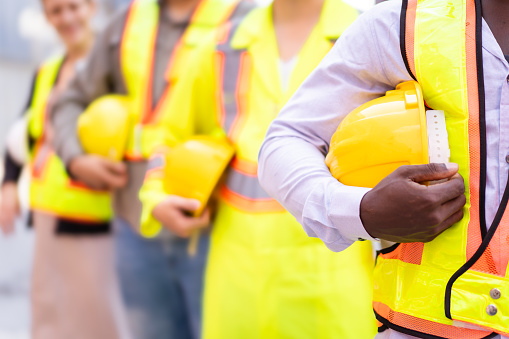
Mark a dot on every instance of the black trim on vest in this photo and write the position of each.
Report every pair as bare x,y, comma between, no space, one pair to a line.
382,328
388,324
484,245
388,249
402,37
71,227
482,117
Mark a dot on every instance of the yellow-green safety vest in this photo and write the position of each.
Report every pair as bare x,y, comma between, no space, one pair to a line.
137,61
51,189
265,277
455,286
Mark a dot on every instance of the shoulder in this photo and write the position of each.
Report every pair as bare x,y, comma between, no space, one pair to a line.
377,29
385,15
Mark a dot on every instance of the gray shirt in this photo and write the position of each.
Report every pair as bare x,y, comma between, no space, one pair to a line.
364,64
100,75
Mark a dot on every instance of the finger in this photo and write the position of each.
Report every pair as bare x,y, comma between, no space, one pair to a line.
202,221
185,204
452,206
448,190
116,167
429,172
113,180
447,223
97,184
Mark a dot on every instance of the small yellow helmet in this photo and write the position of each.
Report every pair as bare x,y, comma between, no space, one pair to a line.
103,128
386,133
194,168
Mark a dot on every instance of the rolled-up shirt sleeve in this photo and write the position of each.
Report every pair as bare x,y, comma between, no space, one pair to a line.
292,158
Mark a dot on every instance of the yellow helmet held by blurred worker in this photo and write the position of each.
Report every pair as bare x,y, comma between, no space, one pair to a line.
386,133
194,168
103,128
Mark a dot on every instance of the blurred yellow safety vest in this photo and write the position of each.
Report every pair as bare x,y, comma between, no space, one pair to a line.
137,62
51,190
456,286
265,277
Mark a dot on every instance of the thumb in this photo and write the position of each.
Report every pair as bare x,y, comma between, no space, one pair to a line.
430,172
115,167
185,204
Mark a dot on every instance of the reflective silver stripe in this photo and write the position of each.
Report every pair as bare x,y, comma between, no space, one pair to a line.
231,72
156,162
245,185
237,182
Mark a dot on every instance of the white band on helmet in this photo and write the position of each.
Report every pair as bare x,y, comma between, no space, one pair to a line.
438,142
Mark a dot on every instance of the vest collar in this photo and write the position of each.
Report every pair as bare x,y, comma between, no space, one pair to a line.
334,20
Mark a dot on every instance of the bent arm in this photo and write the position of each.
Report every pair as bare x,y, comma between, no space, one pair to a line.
292,159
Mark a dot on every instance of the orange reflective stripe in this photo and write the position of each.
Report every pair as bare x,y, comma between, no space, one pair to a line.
486,262
219,59
408,252
396,320
249,205
474,231
410,34
240,95
223,33
42,154
245,166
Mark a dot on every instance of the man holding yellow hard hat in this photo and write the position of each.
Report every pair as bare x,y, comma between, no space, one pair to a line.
432,182
264,278
142,54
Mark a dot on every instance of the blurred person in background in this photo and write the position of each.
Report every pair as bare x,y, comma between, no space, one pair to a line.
75,292
142,53
265,278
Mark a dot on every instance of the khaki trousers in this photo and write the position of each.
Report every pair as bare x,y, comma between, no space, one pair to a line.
75,291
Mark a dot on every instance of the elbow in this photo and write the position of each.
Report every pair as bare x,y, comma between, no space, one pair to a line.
265,178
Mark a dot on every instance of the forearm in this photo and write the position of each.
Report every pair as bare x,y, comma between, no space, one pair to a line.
292,159
293,171
64,121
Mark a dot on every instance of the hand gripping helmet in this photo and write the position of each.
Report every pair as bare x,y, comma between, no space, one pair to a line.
194,168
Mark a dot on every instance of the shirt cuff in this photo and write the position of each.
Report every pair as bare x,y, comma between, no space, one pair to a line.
344,211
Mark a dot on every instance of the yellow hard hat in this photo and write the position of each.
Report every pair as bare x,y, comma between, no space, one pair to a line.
103,128
386,133
194,168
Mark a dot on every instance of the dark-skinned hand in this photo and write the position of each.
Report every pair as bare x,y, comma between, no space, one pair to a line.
402,208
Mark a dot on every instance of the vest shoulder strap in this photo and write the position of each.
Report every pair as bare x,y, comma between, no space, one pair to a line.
44,82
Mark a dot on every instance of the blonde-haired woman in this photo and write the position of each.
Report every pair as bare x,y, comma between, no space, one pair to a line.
74,287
